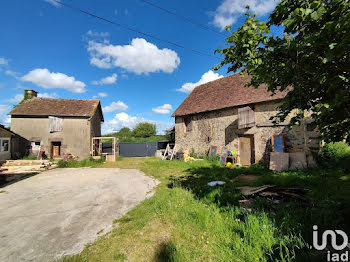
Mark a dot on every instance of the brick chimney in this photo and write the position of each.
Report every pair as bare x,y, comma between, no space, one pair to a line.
29,94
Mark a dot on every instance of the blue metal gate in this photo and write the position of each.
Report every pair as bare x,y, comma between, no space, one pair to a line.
138,149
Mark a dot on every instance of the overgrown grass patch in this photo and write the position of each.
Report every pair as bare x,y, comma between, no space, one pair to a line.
84,163
186,220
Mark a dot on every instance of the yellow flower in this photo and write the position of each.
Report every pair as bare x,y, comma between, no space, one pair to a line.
202,237
257,259
207,242
209,250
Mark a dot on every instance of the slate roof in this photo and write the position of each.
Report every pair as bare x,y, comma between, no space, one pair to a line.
57,107
3,128
225,92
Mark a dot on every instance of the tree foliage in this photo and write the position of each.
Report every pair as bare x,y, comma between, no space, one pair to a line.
311,58
144,130
125,132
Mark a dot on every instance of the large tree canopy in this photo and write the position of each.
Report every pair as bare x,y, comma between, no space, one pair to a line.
311,58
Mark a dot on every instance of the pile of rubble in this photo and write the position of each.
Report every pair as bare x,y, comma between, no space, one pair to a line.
274,194
15,169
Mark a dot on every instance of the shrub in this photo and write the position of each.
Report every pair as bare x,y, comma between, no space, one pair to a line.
144,130
335,155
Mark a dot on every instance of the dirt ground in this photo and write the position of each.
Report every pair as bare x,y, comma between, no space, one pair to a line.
58,212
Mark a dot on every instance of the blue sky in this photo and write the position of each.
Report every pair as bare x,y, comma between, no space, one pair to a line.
62,53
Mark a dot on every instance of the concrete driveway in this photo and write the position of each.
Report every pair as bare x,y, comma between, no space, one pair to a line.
58,212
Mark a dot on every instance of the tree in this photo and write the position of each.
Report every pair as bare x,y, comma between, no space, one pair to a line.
144,130
311,58
124,132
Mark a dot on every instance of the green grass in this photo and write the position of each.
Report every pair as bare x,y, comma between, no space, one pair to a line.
186,220
30,157
84,163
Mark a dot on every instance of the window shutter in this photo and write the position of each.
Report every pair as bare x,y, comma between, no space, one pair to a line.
246,117
55,124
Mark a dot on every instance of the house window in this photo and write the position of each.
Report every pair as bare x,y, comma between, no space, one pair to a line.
55,124
188,124
246,117
35,147
4,145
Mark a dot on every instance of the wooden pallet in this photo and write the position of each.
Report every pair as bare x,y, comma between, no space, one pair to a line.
170,152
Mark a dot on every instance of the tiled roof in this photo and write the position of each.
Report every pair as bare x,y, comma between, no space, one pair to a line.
57,107
225,92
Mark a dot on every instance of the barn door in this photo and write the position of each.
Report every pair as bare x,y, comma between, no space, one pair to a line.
56,149
245,150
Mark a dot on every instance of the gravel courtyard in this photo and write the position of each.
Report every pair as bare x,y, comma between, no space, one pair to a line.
58,212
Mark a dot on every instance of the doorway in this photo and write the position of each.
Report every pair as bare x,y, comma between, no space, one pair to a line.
56,149
246,150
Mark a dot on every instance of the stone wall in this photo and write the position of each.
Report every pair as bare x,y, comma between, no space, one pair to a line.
220,128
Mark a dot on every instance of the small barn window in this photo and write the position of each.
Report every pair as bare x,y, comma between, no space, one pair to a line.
55,124
4,145
188,124
246,117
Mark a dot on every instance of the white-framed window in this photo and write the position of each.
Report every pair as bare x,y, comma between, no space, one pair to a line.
4,145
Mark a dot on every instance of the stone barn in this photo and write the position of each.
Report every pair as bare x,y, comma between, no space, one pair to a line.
12,146
58,126
228,114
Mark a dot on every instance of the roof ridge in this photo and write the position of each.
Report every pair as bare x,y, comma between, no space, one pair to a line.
225,92
42,106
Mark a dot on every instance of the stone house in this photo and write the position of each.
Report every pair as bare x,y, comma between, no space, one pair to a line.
228,114
5,143
12,146
58,126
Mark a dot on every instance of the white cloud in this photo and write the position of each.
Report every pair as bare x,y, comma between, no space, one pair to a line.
45,79
3,61
106,80
16,99
114,106
93,33
230,10
11,73
4,108
124,120
205,78
48,95
164,109
100,95
4,118
54,3
138,57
